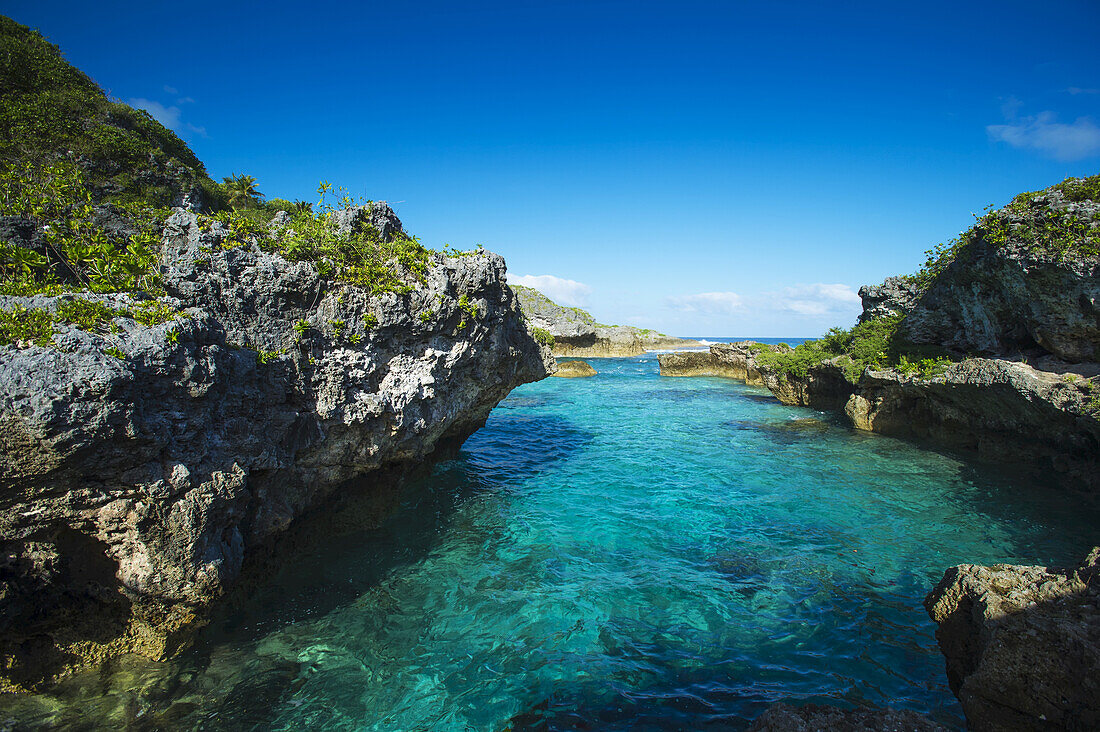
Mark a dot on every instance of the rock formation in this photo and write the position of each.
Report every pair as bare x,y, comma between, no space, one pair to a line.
141,467
1022,644
576,333
574,368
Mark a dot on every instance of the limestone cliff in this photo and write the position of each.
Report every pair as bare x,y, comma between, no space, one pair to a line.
142,465
576,333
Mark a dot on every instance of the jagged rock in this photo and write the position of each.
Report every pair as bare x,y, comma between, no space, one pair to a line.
821,718
574,368
576,332
377,216
1022,644
139,485
895,296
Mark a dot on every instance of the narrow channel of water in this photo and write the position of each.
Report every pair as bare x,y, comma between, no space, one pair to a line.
620,552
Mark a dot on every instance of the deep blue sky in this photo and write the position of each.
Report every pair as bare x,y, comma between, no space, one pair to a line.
714,168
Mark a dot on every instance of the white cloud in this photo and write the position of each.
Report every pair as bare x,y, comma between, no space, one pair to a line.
167,116
710,303
1045,134
561,291
817,299
1075,90
171,90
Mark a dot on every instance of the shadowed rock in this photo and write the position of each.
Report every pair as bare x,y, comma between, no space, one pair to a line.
1022,644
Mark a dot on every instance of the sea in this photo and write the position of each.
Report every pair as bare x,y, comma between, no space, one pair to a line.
621,552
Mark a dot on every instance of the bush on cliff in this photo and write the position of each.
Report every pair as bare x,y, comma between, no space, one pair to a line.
1028,220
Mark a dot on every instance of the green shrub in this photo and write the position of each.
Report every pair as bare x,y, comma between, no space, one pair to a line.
25,325
543,336
80,254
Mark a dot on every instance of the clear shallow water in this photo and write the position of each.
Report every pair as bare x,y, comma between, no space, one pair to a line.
620,552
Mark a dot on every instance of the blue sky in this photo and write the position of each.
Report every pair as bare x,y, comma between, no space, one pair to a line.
705,168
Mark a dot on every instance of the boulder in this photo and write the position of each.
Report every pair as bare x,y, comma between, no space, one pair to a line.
1022,644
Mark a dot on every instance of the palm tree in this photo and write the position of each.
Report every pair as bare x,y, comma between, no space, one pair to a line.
242,190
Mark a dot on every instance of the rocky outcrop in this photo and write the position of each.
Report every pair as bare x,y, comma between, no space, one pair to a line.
895,296
574,369
1027,280
817,717
1022,644
142,467
576,332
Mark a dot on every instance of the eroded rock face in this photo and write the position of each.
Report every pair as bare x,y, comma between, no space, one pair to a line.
1022,644
576,332
172,463
895,296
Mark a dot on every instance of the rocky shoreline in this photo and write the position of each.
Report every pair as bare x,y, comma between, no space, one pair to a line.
574,333
143,467
1001,410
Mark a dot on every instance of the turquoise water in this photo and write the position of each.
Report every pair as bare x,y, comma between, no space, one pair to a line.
620,552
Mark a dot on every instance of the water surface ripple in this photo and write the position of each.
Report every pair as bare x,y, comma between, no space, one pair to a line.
620,552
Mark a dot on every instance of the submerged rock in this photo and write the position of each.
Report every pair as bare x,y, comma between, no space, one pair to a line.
1022,644
574,368
818,717
140,468
576,333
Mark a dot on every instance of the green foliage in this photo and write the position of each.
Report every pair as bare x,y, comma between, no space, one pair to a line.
116,352
875,344
469,310
87,314
543,336
301,328
242,191
50,110
79,253
362,259
153,312
266,357
23,325
1028,220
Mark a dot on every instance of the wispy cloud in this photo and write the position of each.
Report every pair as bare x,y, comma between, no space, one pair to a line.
817,299
561,291
169,116
709,303
1045,133
1075,90
814,300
